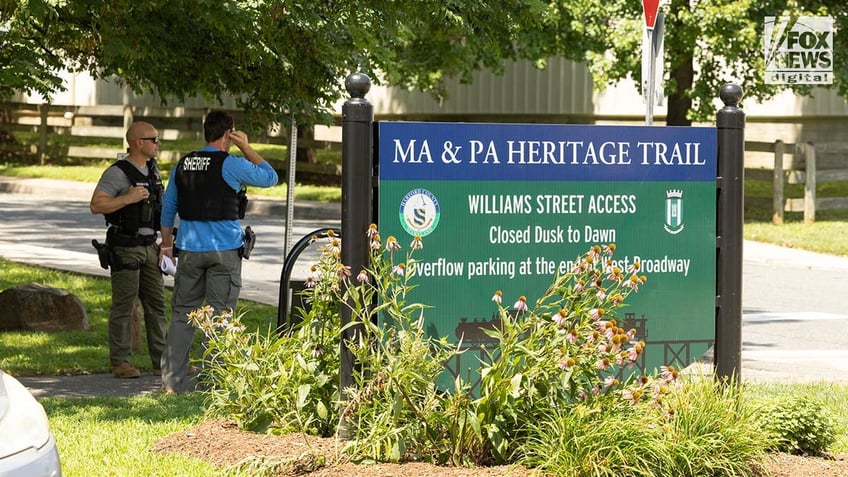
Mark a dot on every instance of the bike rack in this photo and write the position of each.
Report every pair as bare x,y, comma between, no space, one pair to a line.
284,322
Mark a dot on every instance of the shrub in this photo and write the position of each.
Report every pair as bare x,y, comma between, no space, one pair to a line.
551,393
799,425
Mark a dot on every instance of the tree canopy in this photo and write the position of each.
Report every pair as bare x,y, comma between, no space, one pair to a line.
289,57
709,43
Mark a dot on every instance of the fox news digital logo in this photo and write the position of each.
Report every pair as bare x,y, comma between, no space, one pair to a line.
798,50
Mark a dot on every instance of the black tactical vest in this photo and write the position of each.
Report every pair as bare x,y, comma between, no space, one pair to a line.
202,192
145,213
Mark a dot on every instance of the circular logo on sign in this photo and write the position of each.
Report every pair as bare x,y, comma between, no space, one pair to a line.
419,212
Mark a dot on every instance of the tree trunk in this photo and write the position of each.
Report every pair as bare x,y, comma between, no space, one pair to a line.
6,136
680,53
306,145
678,102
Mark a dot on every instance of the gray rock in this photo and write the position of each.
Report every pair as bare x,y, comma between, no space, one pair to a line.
35,307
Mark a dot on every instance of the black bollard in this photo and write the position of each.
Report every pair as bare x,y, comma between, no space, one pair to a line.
730,122
357,166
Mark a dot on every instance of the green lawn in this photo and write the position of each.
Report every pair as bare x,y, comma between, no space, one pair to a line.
75,352
113,436
829,234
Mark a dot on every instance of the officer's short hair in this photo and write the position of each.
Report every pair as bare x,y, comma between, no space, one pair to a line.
217,123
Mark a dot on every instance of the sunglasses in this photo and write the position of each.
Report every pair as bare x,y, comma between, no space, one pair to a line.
154,140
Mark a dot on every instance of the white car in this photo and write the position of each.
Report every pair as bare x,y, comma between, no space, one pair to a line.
27,447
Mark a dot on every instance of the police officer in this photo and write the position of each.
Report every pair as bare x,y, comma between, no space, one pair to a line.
129,195
207,190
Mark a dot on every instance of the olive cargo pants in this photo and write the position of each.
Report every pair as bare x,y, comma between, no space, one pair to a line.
147,283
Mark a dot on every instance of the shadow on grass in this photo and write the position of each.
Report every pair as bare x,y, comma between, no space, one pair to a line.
158,407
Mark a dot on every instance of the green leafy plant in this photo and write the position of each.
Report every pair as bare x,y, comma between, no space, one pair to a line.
602,437
567,348
553,392
710,427
287,383
701,426
564,350
388,414
800,425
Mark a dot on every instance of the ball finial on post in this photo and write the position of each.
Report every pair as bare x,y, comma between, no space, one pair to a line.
357,85
730,94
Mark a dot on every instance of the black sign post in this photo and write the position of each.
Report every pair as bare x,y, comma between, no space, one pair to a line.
730,122
357,165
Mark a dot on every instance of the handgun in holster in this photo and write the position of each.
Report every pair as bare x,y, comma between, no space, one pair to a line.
103,253
109,259
249,243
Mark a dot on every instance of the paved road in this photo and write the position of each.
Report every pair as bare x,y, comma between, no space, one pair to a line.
49,222
795,315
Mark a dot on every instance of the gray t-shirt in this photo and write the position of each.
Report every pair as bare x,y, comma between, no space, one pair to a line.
114,182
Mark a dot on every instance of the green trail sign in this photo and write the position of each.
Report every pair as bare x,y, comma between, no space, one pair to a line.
509,206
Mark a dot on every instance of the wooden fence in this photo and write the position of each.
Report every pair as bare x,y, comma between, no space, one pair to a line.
111,121
802,163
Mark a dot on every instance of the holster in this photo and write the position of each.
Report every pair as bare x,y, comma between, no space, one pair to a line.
109,259
249,243
103,253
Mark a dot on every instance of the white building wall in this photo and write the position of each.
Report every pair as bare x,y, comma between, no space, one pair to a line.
561,93
83,90
563,88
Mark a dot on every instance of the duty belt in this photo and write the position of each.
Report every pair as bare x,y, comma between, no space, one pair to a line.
117,238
